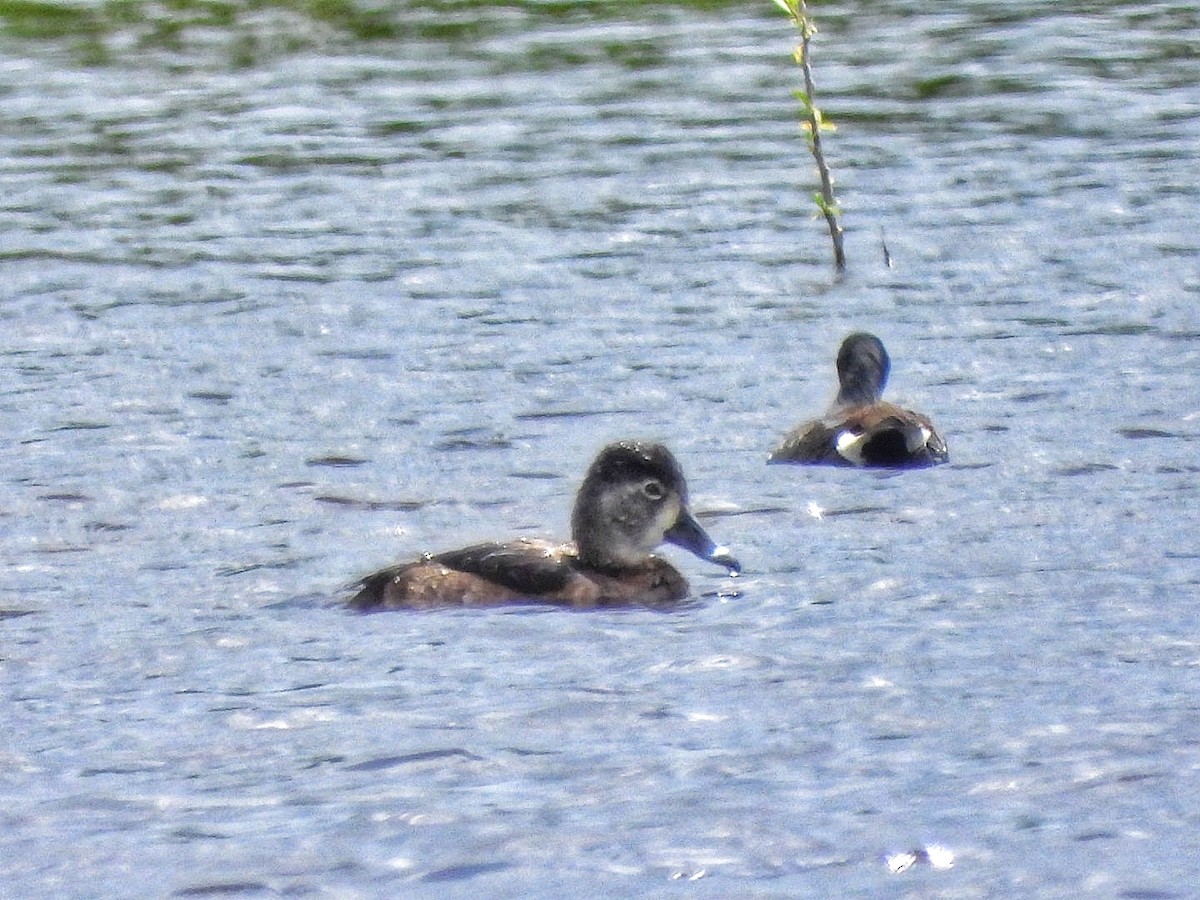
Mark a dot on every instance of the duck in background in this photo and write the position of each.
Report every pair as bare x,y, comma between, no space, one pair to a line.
861,428
633,498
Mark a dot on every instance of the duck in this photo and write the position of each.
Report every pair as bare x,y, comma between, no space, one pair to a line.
633,498
861,428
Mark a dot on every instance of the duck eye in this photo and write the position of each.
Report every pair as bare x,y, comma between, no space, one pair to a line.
654,489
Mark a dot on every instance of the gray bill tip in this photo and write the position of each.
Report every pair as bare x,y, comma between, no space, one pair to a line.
688,534
723,557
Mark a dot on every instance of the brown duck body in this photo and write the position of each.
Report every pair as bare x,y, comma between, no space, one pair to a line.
861,428
632,499
521,571
880,434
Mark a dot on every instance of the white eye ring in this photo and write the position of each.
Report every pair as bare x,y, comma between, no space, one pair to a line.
654,489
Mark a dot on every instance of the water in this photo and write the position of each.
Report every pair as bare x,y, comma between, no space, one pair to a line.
282,305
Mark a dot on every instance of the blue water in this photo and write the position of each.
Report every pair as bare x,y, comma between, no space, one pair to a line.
266,329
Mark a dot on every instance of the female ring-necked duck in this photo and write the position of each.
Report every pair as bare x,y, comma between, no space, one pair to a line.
861,428
632,499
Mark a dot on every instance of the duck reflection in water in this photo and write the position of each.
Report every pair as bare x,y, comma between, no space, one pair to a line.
861,428
633,498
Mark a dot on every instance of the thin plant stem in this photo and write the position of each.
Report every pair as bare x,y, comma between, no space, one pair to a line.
814,124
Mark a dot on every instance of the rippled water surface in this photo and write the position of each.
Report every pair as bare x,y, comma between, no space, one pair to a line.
284,300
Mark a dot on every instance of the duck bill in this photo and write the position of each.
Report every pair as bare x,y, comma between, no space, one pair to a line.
687,533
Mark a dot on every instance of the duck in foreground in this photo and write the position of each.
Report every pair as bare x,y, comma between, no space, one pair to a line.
632,499
861,428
